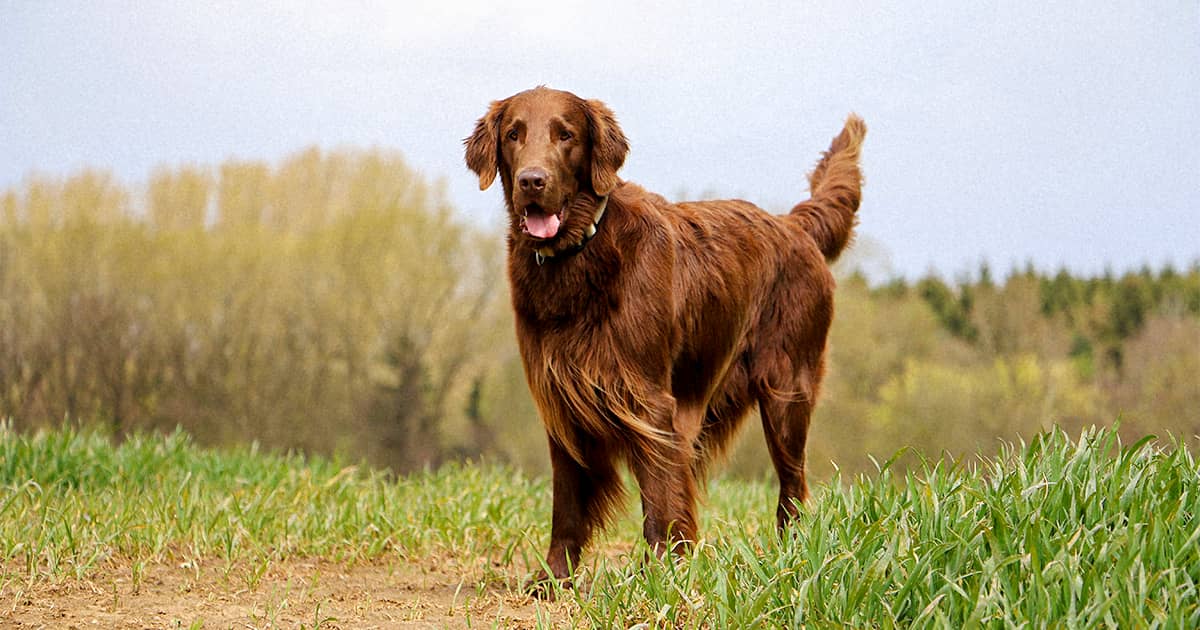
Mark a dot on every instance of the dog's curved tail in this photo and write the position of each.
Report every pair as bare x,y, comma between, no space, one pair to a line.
836,187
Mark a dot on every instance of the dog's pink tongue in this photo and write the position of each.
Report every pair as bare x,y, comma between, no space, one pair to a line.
542,225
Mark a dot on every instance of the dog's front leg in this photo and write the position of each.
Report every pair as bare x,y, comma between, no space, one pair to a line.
583,499
668,480
664,474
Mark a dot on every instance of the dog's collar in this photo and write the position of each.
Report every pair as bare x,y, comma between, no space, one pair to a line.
542,253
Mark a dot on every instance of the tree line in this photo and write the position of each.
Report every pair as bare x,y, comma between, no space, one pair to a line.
335,303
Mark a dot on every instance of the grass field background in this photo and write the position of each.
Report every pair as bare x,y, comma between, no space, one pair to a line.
1082,532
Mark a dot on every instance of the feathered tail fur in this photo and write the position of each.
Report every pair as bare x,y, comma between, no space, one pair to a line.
836,187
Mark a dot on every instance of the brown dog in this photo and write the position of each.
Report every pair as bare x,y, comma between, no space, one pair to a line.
649,328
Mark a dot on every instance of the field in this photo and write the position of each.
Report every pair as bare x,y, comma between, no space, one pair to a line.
158,532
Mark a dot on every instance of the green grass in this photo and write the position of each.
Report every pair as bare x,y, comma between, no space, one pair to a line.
70,499
1078,534
1062,532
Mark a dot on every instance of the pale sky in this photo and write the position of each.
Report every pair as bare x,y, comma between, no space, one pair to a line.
1061,133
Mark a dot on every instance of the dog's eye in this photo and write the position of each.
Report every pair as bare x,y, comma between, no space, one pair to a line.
512,135
565,136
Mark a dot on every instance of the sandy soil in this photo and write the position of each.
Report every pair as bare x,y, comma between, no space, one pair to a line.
290,594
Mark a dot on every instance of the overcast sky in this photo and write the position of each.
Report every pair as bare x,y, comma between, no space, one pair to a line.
1064,133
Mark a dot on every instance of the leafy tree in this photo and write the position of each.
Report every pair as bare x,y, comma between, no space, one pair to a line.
335,302
952,310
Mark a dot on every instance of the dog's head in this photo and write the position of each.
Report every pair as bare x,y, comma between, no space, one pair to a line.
548,146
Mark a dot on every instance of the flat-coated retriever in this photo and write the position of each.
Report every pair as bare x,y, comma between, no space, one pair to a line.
649,328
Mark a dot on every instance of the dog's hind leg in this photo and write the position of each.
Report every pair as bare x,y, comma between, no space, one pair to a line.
785,423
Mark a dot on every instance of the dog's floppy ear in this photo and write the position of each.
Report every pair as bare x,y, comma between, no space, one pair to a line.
481,146
609,147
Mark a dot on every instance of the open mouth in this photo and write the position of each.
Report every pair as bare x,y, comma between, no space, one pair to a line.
539,223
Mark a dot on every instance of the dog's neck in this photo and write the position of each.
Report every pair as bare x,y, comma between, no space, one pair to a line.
541,254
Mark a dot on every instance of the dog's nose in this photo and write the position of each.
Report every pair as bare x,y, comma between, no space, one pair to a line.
532,180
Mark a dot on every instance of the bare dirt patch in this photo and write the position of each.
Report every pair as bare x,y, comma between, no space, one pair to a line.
288,593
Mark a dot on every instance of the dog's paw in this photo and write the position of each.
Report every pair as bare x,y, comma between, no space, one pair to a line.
545,586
